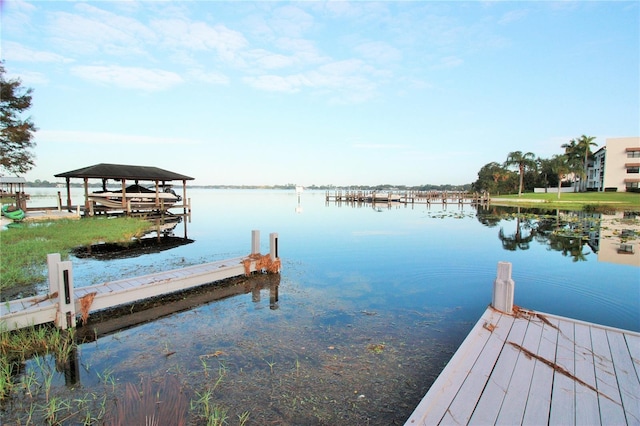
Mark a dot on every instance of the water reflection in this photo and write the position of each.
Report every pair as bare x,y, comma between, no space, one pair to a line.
574,234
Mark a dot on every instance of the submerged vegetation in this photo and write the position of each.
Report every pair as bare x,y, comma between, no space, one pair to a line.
25,247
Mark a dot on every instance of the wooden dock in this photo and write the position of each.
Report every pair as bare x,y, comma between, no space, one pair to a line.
64,302
407,197
525,367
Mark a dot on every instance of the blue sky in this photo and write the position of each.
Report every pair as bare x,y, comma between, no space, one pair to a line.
342,93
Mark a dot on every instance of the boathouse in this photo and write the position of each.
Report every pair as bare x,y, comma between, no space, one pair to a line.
130,196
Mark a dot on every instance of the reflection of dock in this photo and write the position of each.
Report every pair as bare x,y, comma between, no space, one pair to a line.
110,321
63,301
407,197
524,367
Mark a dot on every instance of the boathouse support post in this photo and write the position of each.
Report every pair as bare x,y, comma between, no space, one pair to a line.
66,314
52,268
503,288
255,241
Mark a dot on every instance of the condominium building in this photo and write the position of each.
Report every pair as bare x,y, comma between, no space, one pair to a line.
615,166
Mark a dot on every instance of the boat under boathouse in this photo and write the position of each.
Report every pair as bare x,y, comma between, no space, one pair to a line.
137,189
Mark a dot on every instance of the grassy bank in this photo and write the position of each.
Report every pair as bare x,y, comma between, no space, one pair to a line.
24,249
594,201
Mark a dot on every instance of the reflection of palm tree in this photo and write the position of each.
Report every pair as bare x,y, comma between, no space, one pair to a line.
517,240
568,246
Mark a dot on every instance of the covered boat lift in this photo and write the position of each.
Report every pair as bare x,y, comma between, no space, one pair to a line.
124,173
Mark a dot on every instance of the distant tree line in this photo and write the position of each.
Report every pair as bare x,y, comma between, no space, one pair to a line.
290,186
523,171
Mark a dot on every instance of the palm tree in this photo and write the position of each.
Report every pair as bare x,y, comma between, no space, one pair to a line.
578,151
523,161
584,144
561,166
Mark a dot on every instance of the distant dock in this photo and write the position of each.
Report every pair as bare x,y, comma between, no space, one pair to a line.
407,197
523,367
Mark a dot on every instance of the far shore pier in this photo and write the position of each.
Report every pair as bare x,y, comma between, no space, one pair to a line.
408,197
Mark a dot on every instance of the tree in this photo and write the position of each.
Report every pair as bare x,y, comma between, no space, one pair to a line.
522,161
578,152
584,144
561,166
16,134
494,178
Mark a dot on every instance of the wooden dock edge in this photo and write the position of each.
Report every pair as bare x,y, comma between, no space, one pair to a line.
434,407
64,303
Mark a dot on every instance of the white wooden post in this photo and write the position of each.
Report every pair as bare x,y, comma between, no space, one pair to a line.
66,315
273,246
52,267
255,242
503,288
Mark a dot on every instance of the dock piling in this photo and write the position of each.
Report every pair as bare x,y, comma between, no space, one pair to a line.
66,313
273,246
52,267
255,241
503,288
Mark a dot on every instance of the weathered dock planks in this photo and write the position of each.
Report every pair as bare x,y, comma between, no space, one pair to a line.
64,302
526,367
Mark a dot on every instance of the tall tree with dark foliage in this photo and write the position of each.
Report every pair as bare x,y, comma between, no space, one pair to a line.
16,132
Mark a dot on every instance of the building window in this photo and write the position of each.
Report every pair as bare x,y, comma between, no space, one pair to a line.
633,154
633,169
632,185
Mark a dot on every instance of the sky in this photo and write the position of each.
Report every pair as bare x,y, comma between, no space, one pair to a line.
320,93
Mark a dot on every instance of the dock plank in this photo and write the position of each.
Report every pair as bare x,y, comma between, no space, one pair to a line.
434,405
608,393
466,399
563,391
587,407
516,395
491,400
539,398
627,379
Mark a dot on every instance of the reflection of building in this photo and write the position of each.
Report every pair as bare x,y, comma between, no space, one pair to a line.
617,239
615,166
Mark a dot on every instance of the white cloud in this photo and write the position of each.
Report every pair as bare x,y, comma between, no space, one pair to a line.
448,62
16,52
129,77
513,16
95,30
211,77
275,83
379,51
199,36
291,21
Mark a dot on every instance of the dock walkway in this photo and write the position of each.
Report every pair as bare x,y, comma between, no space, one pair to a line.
64,302
526,367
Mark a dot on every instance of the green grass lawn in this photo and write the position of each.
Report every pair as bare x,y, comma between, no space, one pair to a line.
574,200
25,248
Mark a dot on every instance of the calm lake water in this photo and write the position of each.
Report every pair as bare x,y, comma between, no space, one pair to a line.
369,307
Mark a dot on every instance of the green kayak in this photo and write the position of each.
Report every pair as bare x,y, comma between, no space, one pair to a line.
12,212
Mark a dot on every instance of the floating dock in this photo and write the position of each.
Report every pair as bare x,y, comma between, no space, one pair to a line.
64,302
524,367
